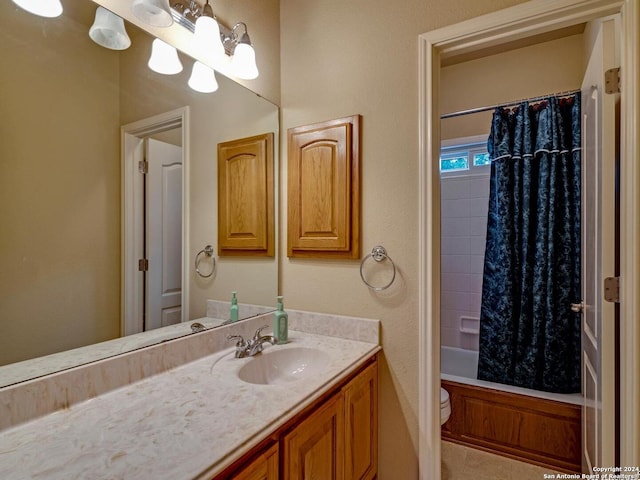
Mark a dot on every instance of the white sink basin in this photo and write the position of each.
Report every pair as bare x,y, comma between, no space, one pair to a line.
278,366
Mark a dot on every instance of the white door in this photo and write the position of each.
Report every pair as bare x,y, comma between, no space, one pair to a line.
598,252
163,290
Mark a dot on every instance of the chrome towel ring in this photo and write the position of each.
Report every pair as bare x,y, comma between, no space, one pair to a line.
208,251
379,253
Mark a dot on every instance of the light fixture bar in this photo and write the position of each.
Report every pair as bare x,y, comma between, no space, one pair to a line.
190,15
226,34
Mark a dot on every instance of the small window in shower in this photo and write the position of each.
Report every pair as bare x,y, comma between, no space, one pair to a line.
480,159
454,162
464,159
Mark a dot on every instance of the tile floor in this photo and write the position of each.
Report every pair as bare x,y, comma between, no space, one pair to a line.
464,463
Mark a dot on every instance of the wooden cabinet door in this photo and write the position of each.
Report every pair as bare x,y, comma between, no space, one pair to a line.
245,197
315,448
264,467
337,440
361,425
324,189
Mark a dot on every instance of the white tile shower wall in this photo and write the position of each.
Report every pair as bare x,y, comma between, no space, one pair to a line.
464,227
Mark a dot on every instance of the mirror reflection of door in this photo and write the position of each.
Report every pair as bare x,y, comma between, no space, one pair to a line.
163,234
154,192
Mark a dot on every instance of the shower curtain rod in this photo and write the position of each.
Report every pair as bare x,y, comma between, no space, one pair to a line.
508,104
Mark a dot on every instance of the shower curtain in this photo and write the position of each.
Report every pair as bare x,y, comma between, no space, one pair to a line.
529,336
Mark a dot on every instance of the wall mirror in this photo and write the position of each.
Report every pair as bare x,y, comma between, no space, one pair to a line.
65,100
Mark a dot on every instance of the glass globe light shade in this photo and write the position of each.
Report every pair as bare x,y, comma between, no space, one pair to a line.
42,8
203,78
207,33
156,13
108,30
243,62
164,58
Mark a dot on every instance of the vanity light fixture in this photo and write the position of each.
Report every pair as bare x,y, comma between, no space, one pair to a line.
203,78
164,58
207,30
156,13
243,62
203,23
42,8
108,30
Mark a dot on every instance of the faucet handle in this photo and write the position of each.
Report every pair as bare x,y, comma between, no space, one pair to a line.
240,342
259,331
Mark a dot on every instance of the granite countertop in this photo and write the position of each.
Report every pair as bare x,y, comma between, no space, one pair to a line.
187,423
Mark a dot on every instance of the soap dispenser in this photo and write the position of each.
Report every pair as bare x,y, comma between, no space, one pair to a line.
281,323
233,311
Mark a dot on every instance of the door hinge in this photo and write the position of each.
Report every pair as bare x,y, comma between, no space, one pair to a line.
612,80
612,289
143,167
143,265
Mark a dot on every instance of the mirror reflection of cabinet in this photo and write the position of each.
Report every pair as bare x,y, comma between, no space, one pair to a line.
245,196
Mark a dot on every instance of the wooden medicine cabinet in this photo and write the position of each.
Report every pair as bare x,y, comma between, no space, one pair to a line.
324,189
245,197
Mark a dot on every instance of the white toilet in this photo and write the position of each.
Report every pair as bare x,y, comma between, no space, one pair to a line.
445,406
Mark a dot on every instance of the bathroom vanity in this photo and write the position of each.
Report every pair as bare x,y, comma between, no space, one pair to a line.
335,437
217,416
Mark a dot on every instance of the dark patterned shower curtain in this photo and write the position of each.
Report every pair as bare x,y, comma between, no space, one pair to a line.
529,336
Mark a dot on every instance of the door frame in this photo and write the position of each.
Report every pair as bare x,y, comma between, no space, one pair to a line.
504,26
132,215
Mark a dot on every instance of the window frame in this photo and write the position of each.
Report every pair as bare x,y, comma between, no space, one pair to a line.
467,146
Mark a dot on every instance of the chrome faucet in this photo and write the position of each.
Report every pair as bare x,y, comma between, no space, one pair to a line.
252,346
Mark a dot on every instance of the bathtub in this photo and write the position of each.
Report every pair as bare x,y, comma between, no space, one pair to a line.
461,366
537,427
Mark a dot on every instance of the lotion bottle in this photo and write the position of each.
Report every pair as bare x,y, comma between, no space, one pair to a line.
233,311
280,323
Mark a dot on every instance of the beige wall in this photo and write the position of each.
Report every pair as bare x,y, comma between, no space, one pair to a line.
544,68
341,58
59,144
